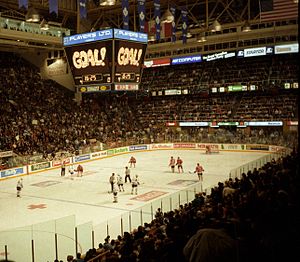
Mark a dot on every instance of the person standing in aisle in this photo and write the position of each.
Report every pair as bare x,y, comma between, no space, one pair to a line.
135,183
127,174
19,187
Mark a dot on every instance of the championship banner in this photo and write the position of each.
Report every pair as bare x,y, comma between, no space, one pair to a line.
142,15
157,18
82,9
125,11
184,24
173,11
53,6
23,3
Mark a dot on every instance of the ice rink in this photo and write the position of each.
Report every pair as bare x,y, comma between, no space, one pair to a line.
47,195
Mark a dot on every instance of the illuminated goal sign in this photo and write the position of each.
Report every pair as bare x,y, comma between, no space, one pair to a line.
106,57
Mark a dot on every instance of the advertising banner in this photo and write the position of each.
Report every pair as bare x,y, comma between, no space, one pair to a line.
6,154
40,166
88,37
193,123
186,60
130,35
258,51
216,56
267,123
257,147
12,172
99,154
212,146
161,146
82,158
232,147
286,49
185,145
56,163
141,147
119,150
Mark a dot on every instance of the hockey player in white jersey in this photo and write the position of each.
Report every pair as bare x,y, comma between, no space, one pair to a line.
120,183
135,182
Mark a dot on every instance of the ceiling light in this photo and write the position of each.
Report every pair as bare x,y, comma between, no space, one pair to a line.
201,39
104,25
216,26
189,35
167,17
246,27
107,2
32,15
151,38
44,25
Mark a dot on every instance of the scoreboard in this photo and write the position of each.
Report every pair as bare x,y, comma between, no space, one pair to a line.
106,57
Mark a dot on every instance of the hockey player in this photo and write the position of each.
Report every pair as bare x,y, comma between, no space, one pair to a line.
172,164
179,164
127,174
63,168
115,193
135,182
120,183
79,170
199,170
19,187
112,181
132,161
71,170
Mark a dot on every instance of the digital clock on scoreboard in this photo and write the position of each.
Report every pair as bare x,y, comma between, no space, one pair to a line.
92,79
127,77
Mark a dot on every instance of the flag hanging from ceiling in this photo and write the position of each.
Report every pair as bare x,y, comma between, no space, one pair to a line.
165,29
173,11
273,10
23,3
125,11
142,14
82,9
157,19
184,24
53,6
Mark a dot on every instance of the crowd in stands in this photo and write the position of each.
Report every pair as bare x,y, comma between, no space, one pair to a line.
256,213
40,117
252,218
264,72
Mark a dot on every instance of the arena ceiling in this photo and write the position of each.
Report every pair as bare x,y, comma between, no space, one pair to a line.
200,12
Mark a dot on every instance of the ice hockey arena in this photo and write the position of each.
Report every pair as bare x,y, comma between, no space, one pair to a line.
149,130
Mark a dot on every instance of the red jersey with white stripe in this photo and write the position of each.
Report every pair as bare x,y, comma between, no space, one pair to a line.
199,169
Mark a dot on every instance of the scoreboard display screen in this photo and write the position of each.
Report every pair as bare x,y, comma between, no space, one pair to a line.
129,60
91,63
106,57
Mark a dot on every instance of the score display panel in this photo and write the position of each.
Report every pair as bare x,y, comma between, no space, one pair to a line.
91,63
129,60
106,57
